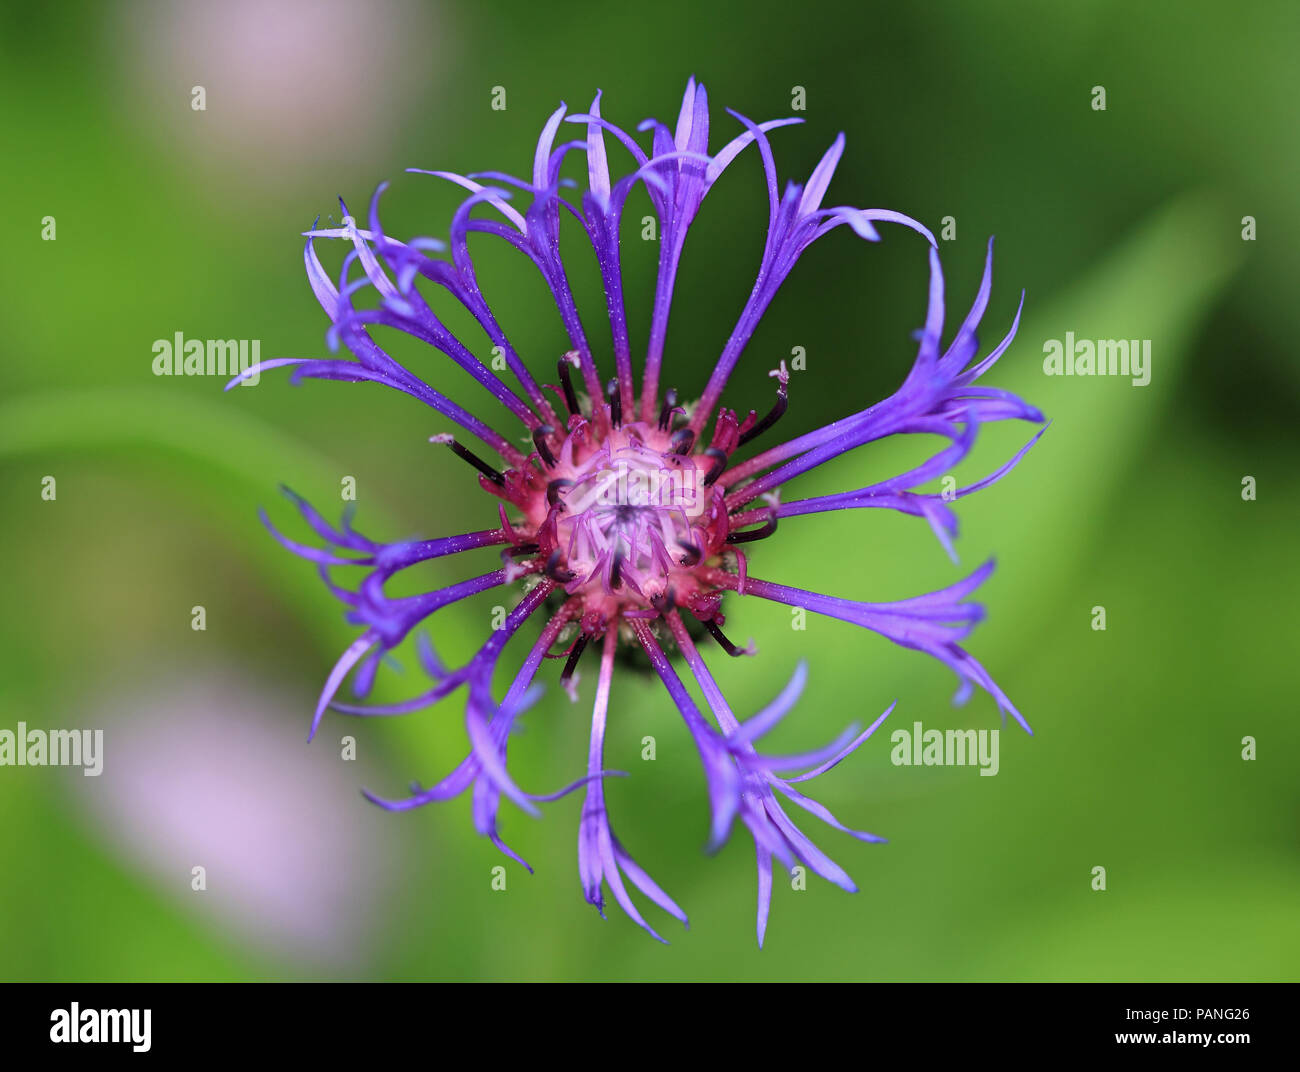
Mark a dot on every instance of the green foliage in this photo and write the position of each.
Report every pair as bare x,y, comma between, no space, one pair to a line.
1122,223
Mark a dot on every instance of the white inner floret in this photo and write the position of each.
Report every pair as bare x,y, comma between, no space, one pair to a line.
628,514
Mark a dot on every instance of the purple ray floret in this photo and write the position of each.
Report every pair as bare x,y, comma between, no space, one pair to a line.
629,521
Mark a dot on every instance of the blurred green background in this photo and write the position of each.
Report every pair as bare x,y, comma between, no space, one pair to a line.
1123,223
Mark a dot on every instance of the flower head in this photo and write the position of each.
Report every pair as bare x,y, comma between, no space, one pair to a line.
625,517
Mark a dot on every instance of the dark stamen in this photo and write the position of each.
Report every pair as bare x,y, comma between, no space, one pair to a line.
721,638
665,601
553,570
566,382
692,555
524,549
769,527
615,403
773,415
719,464
553,490
572,664
682,441
616,570
473,459
666,410
539,441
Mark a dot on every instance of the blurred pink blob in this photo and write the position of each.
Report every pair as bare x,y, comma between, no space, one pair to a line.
287,84
209,772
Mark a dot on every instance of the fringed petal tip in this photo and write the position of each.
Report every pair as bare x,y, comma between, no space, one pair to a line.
508,851
350,657
253,373
863,219
391,805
